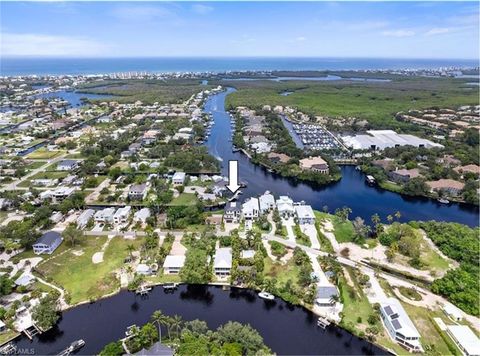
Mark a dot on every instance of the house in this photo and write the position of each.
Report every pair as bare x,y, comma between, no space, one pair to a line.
222,261
278,157
247,254
138,191
305,214
250,209
465,339
84,218
178,178
315,164
285,206
386,164
5,203
56,217
143,269
452,312
403,175
61,193
449,186
399,326
157,349
448,161
471,168
141,216
104,216
67,165
24,280
266,202
326,295
232,212
121,215
2,326
173,264
47,243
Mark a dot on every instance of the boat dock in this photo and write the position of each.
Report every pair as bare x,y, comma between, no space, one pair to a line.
143,290
323,322
8,349
170,286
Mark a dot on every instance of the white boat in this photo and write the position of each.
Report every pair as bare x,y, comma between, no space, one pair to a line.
266,295
444,201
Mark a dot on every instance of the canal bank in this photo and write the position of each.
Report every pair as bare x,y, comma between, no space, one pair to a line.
351,190
286,329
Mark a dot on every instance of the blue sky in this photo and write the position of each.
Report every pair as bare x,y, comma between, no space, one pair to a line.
194,29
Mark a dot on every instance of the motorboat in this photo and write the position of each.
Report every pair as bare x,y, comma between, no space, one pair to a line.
443,201
266,295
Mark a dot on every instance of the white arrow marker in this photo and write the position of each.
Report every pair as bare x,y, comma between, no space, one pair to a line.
233,176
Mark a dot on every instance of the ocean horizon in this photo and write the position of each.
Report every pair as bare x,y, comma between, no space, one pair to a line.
20,66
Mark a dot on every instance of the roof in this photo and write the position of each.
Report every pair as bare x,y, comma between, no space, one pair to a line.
179,176
24,280
143,268
223,258
304,212
411,173
326,292
49,238
445,184
466,338
232,206
248,254
266,201
312,162
67,162
174,261
138,188
156,349
399,318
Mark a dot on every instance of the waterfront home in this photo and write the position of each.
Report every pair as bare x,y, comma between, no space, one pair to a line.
178,178
278,157
67,165
326,295
315,164
386,164
448,186
232,212
47,243
285,206
84,218
173,264
266,202
250,209
471,168
61,193
207,197
222,261
399,326
121,215
261,147
404,175
143,269
465,339
305,214
104,216
138,191
156,349
448,161
141,216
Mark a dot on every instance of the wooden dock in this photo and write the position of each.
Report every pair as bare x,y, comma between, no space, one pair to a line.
323,322
143,290
8,349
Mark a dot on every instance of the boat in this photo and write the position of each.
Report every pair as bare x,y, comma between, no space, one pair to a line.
443,201
370,179
170,286
358,168
266,295
74,346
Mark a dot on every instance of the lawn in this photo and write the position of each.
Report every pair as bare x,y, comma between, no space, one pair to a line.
184,199
281,272
7,335
82,279
300,237
42,153
343,230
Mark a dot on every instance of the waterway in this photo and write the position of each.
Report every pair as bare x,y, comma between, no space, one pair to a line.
73,97
285,328
351,190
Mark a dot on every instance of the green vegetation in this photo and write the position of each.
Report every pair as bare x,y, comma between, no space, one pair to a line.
184,199
343,228
460,243
410,293
46,314
42,153
278,250
300,237
7,335
196,269
79,276
376,102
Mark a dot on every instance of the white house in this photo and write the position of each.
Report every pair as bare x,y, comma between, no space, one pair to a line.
67,165
178,178
250,209
47,243
104,216
142,215
56,217
143,269
61,193
84,218
285,206
465,338
266,202
399,325
138,191
232,212
304,214
173,264
121,215
222,261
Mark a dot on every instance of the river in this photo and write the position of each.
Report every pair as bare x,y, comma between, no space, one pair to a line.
286,329
351,190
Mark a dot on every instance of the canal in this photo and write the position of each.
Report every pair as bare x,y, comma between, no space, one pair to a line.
351,190
286,329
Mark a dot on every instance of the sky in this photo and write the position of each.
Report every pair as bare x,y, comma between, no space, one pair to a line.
247,29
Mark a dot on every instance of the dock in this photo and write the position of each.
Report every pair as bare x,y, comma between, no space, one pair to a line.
143,290
8,349
323,322
170,286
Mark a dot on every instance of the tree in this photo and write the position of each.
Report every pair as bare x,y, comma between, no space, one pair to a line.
112,349
157,318
398,215
376,223
361,230
45,314
176,323
130,249
71,234
245,335
269,285
390,218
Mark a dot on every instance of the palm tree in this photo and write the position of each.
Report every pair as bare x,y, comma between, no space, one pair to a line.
157,318
376,222
390,218
177,322
249,236
130,249
398,215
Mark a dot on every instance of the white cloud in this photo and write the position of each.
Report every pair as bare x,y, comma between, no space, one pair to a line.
300,39
201,9
29,44
399,33
438,31
140,13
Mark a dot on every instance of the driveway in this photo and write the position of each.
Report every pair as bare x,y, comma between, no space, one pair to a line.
311,231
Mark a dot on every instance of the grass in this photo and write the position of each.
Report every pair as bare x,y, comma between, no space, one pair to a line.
410,293
281,272
343,230
42,153
325,244
82,279
160,278
300,237
376,102
184,199
393,187
7,335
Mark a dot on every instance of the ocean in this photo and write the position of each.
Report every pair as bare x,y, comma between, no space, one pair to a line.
13,66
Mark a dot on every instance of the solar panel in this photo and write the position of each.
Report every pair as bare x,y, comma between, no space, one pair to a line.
396,324
388,310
